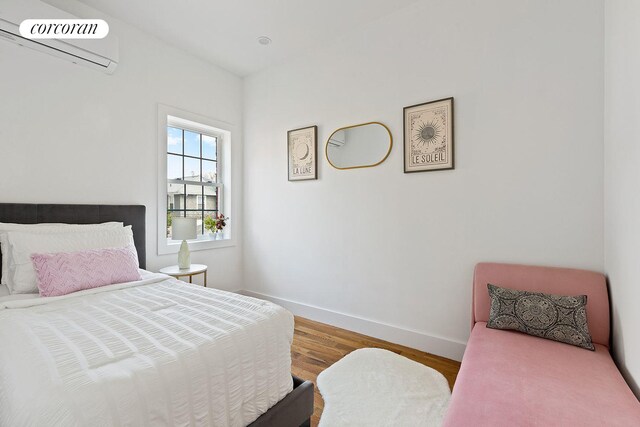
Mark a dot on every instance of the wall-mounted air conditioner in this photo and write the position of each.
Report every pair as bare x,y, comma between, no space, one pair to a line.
338,139
99,54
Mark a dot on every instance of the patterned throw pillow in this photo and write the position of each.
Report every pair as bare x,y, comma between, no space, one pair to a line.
555,317
65,272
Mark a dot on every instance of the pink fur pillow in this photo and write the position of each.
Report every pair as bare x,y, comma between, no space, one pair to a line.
66,272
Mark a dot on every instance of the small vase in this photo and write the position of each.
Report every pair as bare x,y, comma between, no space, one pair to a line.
215,235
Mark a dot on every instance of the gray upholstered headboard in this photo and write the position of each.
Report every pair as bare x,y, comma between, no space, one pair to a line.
28,213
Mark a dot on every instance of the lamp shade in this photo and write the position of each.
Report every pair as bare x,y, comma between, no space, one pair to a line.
183,228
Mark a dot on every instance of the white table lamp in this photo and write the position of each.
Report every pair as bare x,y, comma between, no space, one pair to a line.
184,229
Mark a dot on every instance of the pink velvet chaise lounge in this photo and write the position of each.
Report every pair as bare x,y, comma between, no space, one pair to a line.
513,379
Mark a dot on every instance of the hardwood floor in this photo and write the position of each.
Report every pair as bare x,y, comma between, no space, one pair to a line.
316,346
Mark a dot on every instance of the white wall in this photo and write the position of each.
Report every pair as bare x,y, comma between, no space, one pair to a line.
622,181
398,250
69,134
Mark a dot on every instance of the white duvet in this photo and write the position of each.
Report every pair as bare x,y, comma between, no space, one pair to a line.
154,352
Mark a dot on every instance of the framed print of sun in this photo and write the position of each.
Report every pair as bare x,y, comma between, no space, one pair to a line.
302,152
428,136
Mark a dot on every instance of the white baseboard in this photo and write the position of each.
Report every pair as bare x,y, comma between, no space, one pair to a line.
415,339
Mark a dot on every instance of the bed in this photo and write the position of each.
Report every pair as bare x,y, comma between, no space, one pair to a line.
155,351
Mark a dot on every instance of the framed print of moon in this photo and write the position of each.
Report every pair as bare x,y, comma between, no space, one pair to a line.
301,153
428,136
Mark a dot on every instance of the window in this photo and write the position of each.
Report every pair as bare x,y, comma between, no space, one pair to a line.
194,160
193,189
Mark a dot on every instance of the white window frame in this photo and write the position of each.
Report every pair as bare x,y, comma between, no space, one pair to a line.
171,116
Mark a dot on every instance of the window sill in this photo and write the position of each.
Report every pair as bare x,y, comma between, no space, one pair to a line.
173,246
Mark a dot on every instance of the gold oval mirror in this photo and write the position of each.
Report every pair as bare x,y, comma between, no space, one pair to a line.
359,146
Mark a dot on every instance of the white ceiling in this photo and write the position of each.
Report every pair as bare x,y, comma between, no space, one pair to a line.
225,32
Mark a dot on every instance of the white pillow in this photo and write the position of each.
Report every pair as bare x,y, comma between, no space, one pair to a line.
41,228
22,276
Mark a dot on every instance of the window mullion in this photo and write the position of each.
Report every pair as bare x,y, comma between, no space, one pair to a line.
204,184
184,186
201,189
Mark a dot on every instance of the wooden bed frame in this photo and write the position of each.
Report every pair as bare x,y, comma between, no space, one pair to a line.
294,410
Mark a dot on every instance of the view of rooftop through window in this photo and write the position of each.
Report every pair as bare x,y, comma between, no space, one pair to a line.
193,189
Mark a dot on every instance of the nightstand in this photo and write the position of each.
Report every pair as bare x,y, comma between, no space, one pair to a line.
195,269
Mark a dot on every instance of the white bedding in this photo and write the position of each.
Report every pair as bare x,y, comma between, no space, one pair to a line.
154,352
